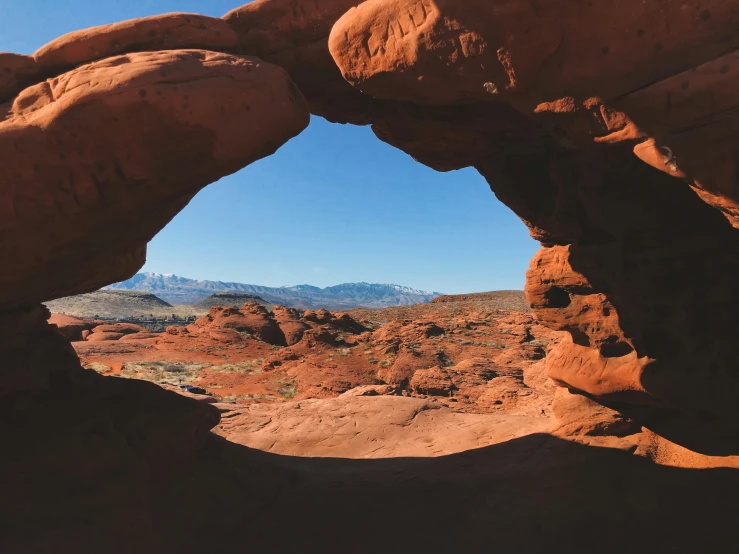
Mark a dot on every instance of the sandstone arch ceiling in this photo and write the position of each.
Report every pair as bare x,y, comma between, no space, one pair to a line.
608,128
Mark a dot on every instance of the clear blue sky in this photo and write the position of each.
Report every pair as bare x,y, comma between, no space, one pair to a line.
333,205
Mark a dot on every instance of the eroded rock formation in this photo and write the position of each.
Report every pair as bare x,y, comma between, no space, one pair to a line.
609,128
94,147
559,112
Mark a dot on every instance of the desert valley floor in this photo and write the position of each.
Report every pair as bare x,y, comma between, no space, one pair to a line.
460,373
425,414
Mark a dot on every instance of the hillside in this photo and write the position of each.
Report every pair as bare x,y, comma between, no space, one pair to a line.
451,305
180,290
501,299
231,299
113,304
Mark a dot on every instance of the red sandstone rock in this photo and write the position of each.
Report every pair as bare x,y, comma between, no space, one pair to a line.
103,336
71,328
132,178
252,319
139,336
639,267
172,31
16,73
434,381
124,328
579,415
290,323
447,52
294,35
371,390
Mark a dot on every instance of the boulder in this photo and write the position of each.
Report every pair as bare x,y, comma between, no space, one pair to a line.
252,320
72,328
434,382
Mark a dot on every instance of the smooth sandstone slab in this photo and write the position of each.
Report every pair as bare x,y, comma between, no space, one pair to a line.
369,427
98,160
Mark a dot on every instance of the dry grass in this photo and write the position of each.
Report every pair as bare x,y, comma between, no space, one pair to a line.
247,367
233,398
102,369
161,372
288,389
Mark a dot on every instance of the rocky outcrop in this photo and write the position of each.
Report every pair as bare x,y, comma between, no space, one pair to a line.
16,73
252,320
291,324
605,152
122,143
72,328
560,122
294,35
66,179
87,452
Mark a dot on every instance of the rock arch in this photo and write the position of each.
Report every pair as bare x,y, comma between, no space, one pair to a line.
567,110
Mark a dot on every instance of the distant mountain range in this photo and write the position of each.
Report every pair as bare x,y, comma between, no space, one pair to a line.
180,290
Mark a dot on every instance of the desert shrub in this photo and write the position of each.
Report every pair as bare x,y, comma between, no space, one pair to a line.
246,367
159,372
231,398
288,390
102,369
